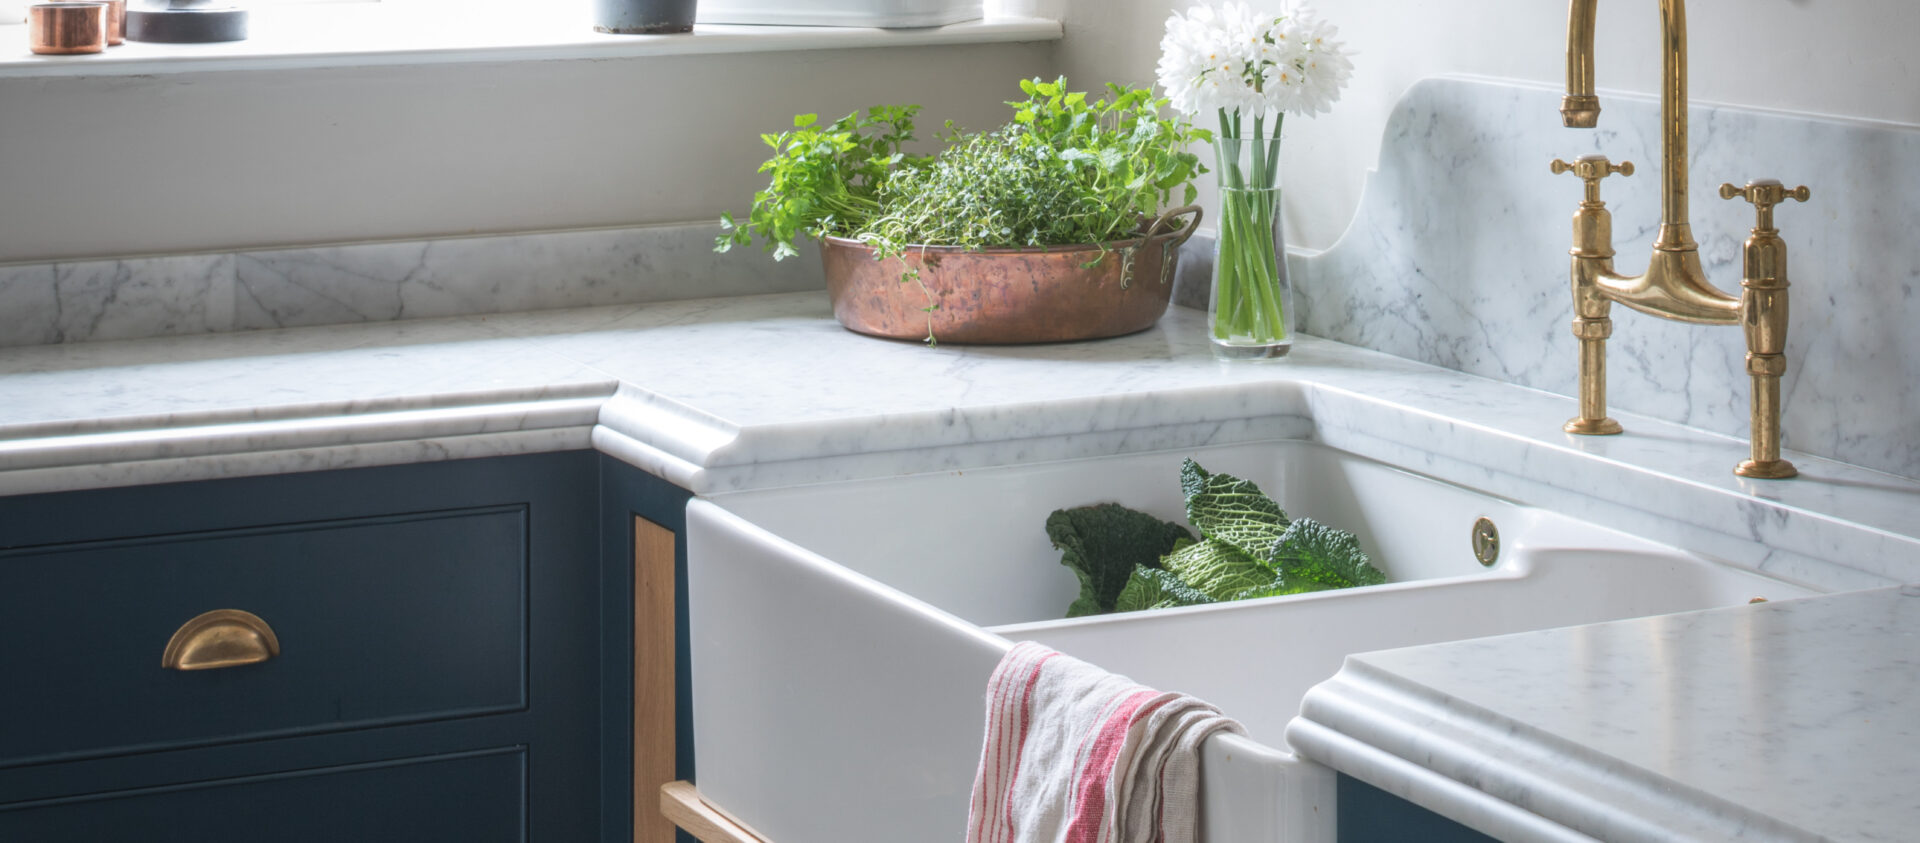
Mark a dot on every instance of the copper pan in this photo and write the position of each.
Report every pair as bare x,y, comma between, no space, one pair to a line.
66,28
1008,295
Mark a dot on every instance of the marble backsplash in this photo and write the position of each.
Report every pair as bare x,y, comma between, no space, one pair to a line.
142,297
1458,257
80,301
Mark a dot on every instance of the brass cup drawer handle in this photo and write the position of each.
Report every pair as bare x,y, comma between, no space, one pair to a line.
220,638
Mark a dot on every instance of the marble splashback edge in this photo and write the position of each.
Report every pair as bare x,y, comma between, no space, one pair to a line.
177,295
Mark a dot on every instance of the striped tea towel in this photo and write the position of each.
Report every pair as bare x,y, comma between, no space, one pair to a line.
1074,754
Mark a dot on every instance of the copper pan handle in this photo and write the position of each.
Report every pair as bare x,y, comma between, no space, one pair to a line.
1168,250
1166,218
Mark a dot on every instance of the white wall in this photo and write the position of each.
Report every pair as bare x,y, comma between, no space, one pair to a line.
196,162
1842,57
95,167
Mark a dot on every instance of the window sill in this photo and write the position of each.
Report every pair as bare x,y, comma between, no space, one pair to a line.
386,35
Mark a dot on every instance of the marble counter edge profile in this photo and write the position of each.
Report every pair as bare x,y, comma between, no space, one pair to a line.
406,451
1493,749
1494,774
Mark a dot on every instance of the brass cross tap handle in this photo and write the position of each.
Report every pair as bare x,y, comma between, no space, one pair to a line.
1764,194
1592,224
1591,169
1592,256
1763,308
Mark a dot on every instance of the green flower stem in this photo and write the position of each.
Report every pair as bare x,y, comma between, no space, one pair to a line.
1249,306
1229,301
1258,310
1258,151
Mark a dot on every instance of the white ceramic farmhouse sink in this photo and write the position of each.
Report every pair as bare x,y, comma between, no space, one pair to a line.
842,633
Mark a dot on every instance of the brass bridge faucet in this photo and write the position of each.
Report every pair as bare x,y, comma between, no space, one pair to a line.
1675,286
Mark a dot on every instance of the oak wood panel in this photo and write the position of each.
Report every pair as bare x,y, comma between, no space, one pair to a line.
653,676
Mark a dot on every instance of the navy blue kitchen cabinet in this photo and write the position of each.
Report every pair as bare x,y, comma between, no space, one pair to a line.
456,650
1367,814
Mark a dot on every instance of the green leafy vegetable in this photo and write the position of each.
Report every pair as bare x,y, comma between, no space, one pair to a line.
1312,552
1225,507
1217,569
991,190
1064,170
1279,587
825,180
1104,544
1128,561
1154,588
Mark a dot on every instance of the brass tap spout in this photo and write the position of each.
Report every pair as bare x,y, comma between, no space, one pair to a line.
1580,109
1675,285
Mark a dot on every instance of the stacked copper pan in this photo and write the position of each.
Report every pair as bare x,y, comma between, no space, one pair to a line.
76,27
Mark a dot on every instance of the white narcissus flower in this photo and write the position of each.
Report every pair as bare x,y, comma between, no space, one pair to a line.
1224,56
1323,63
1191,68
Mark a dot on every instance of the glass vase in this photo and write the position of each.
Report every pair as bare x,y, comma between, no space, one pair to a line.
1250,315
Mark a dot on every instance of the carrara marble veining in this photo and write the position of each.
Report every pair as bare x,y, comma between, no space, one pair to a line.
133,298
1789,721
115,299
1458,257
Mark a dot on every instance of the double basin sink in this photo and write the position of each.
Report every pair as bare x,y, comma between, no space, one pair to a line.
842,633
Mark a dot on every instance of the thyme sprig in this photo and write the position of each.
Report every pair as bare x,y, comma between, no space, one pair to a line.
1065,171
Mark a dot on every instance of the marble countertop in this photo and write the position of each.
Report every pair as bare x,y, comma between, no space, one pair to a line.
754,391
1788,721
758,391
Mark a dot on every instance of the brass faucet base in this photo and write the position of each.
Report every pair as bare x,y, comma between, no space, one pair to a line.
1592,427
1767,469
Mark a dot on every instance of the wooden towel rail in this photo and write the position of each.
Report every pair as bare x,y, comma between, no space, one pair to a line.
681,803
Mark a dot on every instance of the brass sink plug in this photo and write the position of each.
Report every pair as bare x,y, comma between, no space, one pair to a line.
1763,306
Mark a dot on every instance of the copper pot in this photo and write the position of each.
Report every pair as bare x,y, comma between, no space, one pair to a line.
1046,294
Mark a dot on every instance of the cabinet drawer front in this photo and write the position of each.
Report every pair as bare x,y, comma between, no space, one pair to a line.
381,620
467,798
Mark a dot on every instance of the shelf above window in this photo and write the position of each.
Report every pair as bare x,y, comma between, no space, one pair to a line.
369,35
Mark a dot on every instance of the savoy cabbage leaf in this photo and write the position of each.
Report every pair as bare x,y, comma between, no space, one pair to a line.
1280,586
1154,588
1103,544
1231,510
1217,569
1312,553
